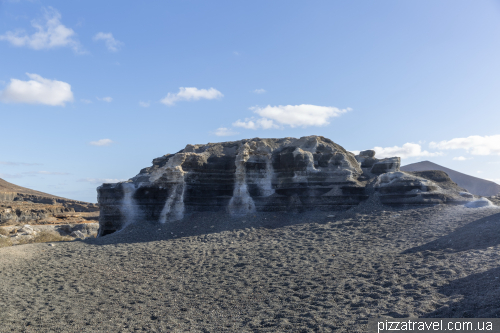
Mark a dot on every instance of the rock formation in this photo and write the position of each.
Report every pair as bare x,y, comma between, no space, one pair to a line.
19,205
262,175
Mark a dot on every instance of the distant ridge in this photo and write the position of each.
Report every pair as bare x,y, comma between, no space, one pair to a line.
472,184
5,186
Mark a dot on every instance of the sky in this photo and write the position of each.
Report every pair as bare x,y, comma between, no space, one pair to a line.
93,91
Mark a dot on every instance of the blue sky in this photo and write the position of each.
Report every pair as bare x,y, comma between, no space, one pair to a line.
92,91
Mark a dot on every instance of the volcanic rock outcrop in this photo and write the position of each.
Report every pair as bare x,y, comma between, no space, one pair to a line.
20,205
474,185
259,175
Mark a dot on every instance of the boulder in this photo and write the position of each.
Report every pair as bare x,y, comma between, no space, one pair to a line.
386,165
367,153
77,234
27,229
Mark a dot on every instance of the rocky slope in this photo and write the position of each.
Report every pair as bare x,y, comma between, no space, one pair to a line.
19,206
265,175
474,185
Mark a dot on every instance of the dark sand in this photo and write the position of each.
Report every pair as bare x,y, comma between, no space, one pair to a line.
270,272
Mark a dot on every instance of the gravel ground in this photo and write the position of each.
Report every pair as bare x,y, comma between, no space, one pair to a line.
268,272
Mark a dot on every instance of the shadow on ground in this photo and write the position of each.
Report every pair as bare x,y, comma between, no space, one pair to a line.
206,223
480,234
481,297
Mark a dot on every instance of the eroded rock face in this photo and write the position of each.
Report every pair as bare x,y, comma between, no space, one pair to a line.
239,177
254,175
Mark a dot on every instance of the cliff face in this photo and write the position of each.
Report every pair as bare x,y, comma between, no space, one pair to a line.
255,175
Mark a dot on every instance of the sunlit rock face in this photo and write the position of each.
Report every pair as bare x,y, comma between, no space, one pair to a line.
255,175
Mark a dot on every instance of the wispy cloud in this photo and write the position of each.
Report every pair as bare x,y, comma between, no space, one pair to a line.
8,175
236,53
101,180
405,151
303,115
33,173
144,104
51,173
51,33
18,163
102,142
38,90
191,94
85,101
112,44
223,131
259,91
105,99
475,144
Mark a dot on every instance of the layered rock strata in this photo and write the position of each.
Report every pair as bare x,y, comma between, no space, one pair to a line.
260,175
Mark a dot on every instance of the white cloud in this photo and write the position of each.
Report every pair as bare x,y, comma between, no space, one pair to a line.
144,104
223,131
236,53
303,115
355,152
191,93
38,90
105,99
50,33
407,150
251,123
102,142
86,101
475,144
259,91
101,180
460,158
111,43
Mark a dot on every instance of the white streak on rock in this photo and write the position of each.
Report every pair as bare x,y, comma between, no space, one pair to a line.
241,203
265,184
174,206
128,206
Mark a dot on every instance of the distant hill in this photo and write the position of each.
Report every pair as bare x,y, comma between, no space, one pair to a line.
6,187
20,205
472,184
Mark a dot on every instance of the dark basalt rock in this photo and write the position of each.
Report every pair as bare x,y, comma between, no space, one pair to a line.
258,175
